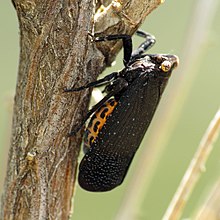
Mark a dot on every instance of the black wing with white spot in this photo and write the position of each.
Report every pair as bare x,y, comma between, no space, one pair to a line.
105,165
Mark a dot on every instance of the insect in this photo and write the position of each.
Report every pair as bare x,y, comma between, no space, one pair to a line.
120,120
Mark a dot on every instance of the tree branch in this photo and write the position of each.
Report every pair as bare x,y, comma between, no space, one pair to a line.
56,52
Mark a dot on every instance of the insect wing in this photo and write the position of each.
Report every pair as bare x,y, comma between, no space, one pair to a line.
106,163
96,123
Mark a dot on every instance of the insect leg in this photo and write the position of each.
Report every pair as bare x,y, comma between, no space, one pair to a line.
117,86
127,44
97,83
146,45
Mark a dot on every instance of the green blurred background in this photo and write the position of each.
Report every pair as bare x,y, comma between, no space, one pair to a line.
195,86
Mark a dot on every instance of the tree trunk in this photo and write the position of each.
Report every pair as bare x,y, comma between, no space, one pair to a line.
56,53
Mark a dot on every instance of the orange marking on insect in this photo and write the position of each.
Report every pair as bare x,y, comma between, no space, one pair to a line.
97,121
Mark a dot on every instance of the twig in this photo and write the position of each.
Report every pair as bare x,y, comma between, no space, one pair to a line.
193,172
210,209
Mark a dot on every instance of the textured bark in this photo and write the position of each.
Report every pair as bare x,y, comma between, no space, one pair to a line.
56,52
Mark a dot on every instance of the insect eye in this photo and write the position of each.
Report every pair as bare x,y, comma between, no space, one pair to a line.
166,66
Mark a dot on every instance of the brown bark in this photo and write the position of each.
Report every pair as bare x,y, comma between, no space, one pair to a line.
56,52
